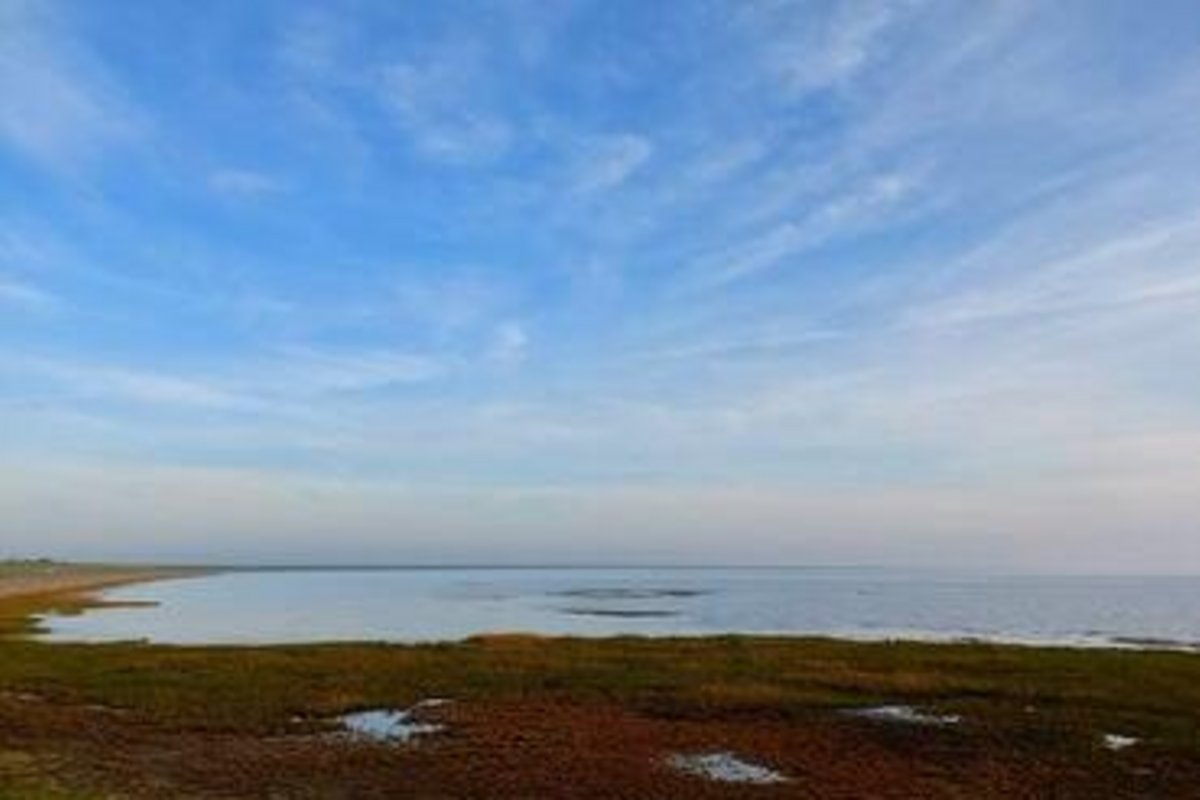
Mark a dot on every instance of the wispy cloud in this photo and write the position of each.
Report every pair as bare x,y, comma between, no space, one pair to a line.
607,162
25,296
919,273
244,182
271,384
1156,263
151,387
509,344
825,45
314,43
437,101
58,103
859,210
312,372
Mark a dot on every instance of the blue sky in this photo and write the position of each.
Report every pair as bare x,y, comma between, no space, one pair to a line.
911,282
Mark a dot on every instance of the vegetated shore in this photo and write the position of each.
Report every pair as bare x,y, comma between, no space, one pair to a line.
38,586
563,717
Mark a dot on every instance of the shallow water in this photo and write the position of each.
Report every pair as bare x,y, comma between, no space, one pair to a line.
905,715
409,605
1116,741
725,768
389,725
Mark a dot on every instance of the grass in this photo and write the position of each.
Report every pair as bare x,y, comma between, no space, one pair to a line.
260,689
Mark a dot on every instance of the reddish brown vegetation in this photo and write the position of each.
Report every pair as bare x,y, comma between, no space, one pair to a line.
542,748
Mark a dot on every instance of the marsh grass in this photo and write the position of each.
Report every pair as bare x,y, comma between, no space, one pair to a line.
28,777
261,688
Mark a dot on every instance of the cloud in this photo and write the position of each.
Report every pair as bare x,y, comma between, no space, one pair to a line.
866,207
608,162
58,104
268,514
840,273
1154,263
736,345
313,372
26,297
142,386
448,300
244,182
313,43
509,345
438,101
269,384
815,46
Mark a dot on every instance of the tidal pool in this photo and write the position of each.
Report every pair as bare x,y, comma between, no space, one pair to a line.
391,725
725,768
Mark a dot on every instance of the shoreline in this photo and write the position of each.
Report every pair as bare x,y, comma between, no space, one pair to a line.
606,716
24,580
28,589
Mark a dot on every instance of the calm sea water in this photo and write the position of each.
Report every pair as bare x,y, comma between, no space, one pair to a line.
408,605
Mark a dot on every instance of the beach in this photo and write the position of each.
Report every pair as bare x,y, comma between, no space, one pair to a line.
34,578
31,588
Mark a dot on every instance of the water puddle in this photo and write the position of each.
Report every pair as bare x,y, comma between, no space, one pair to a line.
392,725
725,768
905,715
1116,742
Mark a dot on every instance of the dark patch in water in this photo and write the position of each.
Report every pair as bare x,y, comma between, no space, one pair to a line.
631,594
633,613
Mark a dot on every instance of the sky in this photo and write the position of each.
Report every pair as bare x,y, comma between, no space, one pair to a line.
910,282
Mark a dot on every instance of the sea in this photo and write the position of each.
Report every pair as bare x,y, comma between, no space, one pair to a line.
425,604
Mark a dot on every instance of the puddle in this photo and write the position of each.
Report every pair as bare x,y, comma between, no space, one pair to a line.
390,725
1115,741
906,715
726,768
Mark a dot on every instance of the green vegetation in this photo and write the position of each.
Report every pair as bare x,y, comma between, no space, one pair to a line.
261,689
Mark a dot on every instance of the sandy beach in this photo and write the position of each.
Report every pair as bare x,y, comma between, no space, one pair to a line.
34,579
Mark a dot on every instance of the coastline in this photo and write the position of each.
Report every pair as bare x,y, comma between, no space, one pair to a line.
37,579
28,589
613,607
517,716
